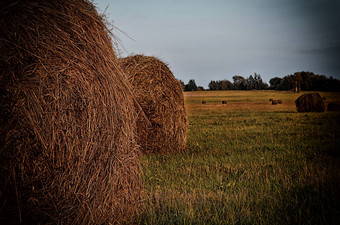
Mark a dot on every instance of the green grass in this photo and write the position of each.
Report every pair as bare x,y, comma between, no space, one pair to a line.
248,162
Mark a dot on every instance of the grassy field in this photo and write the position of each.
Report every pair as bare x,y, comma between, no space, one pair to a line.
248,162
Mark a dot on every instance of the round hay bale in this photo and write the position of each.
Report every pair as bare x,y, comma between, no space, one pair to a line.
224,102
274,102
68,154
204,102
332,106
158,92
279,101
310,103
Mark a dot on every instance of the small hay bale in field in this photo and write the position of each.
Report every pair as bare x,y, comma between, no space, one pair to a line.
204,102
224,102
160,96
67,118
332,106
279,101
274,102
310,103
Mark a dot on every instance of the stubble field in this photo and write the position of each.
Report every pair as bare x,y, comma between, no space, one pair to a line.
248,162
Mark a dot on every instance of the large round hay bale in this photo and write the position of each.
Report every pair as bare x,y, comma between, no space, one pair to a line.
68,153
161,98
332,106
311,102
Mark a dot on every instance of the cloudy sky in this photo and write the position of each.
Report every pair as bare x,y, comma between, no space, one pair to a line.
217,39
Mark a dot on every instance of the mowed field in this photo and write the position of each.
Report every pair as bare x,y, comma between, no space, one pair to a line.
248,162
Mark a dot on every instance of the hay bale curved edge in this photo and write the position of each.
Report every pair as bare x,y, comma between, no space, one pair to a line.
311,102
67,118
161,98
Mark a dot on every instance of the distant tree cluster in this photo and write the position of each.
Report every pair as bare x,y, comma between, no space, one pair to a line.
240,83
191,86
306,81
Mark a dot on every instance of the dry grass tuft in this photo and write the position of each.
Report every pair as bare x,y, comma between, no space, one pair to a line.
311,102
67,118
161,98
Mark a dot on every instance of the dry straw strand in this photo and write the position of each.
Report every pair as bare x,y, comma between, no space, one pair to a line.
161,98
69,154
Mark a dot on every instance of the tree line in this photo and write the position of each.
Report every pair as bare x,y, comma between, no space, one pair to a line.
306,81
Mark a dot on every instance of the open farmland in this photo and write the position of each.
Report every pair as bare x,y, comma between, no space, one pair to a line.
248,162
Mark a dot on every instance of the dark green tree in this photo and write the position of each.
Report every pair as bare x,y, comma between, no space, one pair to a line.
239,82
191,86
213,85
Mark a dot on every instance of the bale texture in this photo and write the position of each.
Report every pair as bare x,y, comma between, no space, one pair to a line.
158,92
332,106
67,118
310,103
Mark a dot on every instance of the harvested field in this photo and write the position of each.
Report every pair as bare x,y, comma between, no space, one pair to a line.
245,157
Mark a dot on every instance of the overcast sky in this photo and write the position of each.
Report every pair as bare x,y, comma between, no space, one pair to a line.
217,39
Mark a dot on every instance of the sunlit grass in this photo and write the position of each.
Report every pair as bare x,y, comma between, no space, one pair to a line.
248,162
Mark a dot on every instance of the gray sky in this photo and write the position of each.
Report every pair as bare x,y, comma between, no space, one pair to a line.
217,39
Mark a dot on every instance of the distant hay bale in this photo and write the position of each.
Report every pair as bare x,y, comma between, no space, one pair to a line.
161,98
224,102
274,102
310,103
279,101
332,106
67,118
204,102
